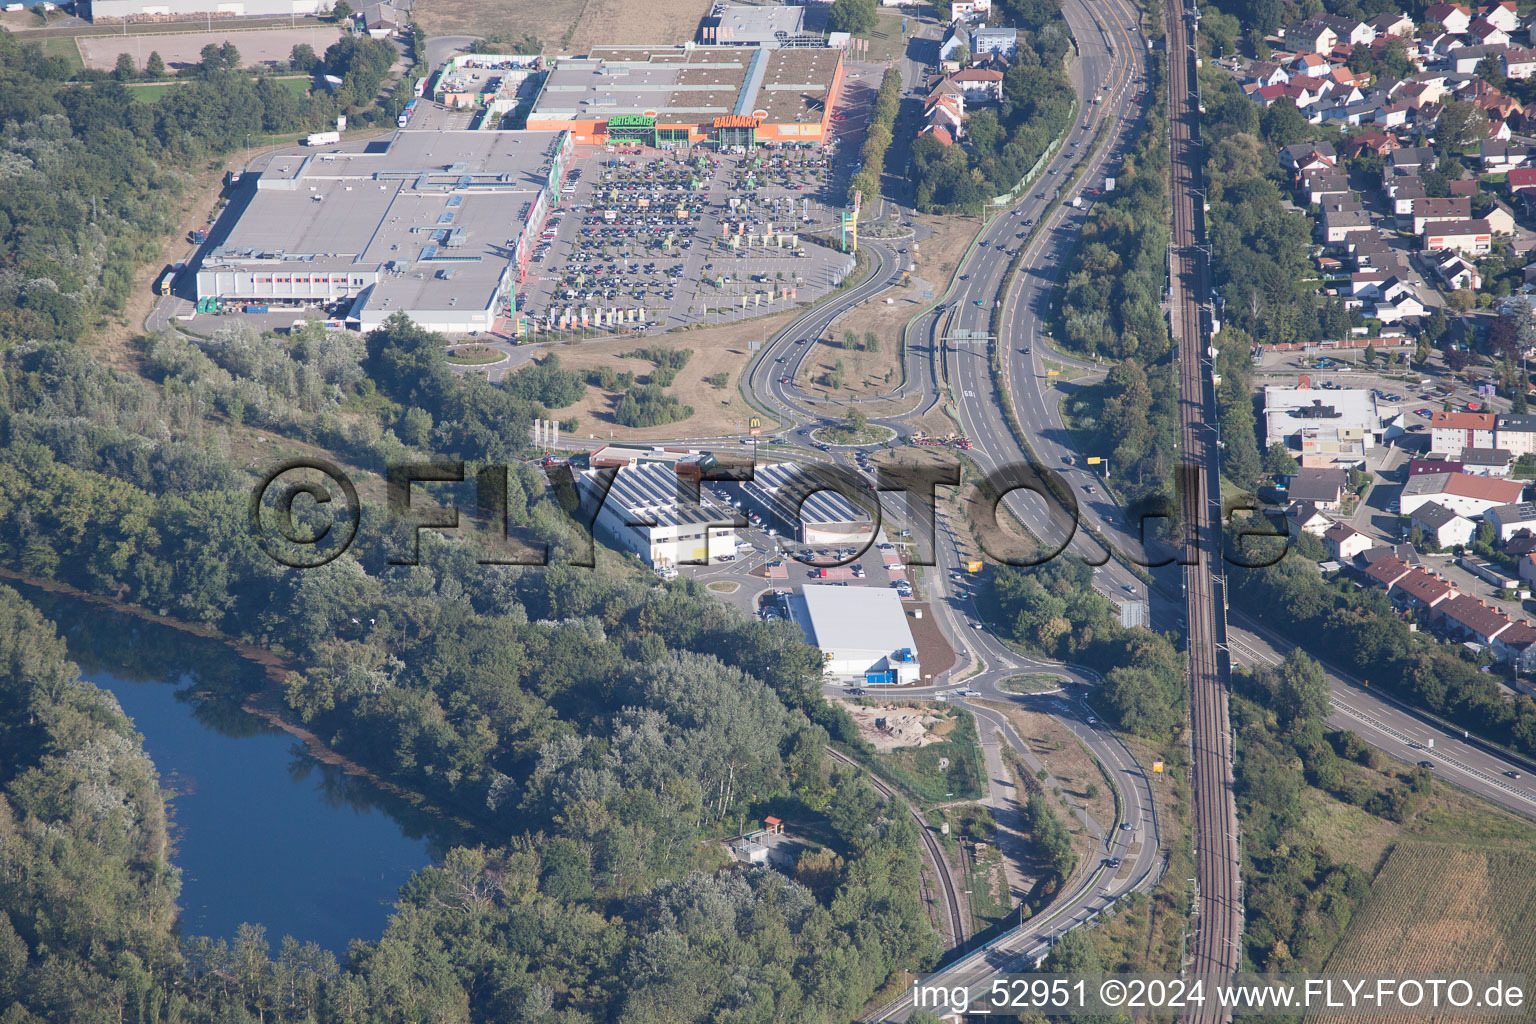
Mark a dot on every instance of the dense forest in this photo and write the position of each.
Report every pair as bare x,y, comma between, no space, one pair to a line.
1001,145
1111,307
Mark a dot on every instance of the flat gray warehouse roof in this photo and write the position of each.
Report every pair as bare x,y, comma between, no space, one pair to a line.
857,619
436,213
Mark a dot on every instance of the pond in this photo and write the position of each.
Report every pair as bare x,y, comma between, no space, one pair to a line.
262,832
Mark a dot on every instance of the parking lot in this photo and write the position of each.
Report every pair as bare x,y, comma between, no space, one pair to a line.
686,236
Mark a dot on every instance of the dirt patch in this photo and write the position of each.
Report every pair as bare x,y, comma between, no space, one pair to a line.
183,49
888,727
717,411
933,650
567,26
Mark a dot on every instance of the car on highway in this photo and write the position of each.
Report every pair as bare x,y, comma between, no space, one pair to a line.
1026,350
1111,862
783,380
980,303
1511,774
1427,765
1126,826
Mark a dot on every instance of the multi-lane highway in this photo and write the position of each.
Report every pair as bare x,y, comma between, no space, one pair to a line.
1216,950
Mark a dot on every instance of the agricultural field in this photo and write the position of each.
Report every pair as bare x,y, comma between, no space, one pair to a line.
1434,906
566,26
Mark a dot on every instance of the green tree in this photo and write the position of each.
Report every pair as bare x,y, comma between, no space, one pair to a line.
125,71
341,12
871,341
1461,124
154,67
855,16
1301,690
1279,461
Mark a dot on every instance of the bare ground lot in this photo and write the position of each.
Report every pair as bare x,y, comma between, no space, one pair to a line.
180,49
716,411
568,26
903,726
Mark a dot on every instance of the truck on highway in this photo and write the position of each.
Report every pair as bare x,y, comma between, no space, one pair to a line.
163,286
322,138
1077,202
197,236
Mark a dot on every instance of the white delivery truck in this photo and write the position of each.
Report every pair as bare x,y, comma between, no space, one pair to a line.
323,139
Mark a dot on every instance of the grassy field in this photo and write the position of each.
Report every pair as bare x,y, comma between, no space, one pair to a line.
886,42
66,48
566,26
1034,683
918,768
1434,906
152,91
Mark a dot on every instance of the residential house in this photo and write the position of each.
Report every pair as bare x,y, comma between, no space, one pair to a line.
1315,36
1453,17
1408,160
1487,33
1342,218
1486,461
1466,495
1471,237
1519,63
1436,211
1320,186
1442,526
1521,544
1421,591
1465,59
1001,41
969,9
1386,571
1262,73
1349,31
1398,302
1510,521
956,41
1501,14
1303,517
1497,155
1324,488
1517,433
980,86
1392,24
1464,617
1454,270
945,109
1309,64
1516,646
1370,141
1501,219
1309,156
1345,542
1450,432
1403,192
1521,178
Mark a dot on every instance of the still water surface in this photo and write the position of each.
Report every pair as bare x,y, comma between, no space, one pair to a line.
262,832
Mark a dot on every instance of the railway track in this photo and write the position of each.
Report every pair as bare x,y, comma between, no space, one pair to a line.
957,930
1215,951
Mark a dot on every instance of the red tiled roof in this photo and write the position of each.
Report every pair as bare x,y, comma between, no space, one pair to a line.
1484,488
1462,420
1477,617
1386,571
1424,586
